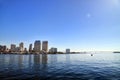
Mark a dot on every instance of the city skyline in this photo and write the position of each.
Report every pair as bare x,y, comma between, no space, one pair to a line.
79,25
37,47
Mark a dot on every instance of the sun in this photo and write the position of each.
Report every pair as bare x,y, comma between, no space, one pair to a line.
112,4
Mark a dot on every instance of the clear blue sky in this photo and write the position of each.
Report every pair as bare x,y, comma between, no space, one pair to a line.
81,25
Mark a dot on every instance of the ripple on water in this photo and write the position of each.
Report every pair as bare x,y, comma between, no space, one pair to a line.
60,67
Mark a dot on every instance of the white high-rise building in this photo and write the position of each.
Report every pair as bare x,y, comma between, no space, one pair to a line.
45,46
37,46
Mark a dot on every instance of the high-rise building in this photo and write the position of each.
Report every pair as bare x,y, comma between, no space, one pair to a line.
37,46
13,47
21,46
67,50
45,46
30,48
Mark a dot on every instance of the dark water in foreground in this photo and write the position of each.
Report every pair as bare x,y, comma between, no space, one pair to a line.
60,67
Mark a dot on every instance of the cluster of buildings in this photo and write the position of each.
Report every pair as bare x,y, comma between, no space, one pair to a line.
38,47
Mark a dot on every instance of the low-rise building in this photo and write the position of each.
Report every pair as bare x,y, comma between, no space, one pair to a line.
53,50
67,50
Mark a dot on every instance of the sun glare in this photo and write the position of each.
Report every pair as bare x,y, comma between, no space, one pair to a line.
114,3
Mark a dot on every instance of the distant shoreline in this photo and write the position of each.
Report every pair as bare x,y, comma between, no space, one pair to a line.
27,53
116,52
41,53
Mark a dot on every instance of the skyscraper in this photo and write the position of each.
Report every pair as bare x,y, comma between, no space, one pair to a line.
13,47
21,46
37,46
45,46
30,48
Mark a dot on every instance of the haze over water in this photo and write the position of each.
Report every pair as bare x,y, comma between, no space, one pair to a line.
101,66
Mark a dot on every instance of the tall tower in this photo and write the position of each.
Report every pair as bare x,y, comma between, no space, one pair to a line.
37,46
30,48
45,46
21,46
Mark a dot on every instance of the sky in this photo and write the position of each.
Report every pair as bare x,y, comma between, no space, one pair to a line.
81,25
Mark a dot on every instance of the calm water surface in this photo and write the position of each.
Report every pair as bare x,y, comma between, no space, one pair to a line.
104,66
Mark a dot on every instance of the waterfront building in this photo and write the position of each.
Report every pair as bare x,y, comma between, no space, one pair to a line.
0,48
3,48
25,50
67,50
30,48
21,47
7,50
37,46
17,49
53,50
13,47
45,46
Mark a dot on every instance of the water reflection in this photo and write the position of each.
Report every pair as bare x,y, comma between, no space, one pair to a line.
2,59
40,62
53,58
67,58
40,59
44,59
59,66
30,60
44,67
11,60
37,59
20,61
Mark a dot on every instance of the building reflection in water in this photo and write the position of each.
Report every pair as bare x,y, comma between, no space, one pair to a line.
40,62
2,60
44,58
53,58
40,59
30,60
37,59
67,58
36,63
44,61
20,61
11,61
